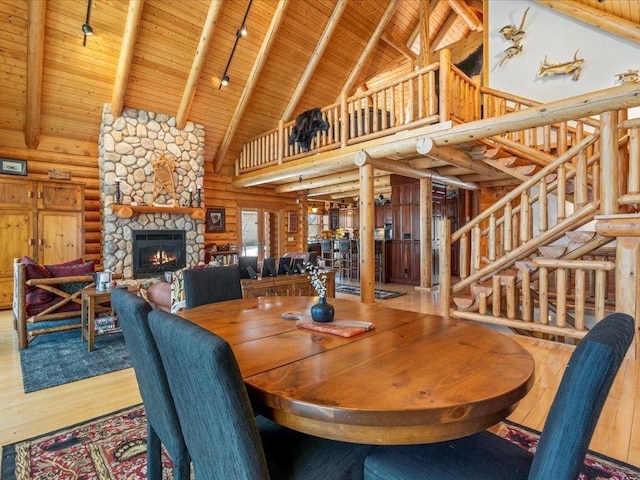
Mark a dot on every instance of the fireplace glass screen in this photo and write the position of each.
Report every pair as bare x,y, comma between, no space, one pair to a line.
158,251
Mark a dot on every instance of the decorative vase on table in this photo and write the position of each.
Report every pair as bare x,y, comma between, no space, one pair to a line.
322,311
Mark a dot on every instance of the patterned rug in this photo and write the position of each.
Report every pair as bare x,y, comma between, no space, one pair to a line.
114,447
379,294
61,357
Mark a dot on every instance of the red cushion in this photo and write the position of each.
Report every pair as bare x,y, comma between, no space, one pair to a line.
71,270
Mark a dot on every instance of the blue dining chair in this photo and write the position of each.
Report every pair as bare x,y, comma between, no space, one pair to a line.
211,284
163,426
224,438
563,442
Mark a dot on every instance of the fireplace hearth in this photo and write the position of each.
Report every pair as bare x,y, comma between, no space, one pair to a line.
158,251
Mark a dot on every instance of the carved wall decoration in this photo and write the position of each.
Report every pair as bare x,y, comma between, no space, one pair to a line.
573,67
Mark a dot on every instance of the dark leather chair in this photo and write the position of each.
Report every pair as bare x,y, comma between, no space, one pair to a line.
211,284
163,426
224,438
563,442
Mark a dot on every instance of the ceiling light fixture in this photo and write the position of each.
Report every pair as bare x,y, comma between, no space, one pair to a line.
241,32
87,30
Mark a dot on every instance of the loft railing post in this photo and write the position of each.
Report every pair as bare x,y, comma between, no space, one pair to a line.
445,85
344,124
281,141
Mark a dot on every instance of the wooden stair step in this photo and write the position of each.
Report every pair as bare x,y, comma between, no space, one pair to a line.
526,169
464,302
580,236
550,251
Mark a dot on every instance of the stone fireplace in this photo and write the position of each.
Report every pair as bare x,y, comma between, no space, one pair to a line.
127,145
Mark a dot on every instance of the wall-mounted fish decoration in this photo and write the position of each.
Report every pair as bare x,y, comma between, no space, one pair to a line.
513,34
574,67
510,52
630,76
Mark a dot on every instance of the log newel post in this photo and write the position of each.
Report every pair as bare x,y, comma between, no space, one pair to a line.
444,85
609,162
426,214
445,271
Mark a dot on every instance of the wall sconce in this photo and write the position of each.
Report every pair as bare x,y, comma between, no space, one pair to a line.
241,32
87,30
314,209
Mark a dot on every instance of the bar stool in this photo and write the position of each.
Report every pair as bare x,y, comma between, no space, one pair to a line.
326,253
378,261
344,252
355,259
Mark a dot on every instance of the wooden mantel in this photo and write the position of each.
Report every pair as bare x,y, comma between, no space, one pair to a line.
127,211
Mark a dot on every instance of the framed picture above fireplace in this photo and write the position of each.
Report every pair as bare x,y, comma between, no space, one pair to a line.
215,220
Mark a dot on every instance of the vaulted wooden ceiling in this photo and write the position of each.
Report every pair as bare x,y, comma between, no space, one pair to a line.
168,56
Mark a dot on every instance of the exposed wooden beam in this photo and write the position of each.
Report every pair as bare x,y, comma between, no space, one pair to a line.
134,14
315,58
375,37
404,169
401,49
35,67
426,146
356,193
318,182
425,46
433,4
243,102
596,18
198,61
379,182
437,40
467,14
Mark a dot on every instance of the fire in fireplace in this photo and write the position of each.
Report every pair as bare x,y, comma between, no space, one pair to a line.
158,251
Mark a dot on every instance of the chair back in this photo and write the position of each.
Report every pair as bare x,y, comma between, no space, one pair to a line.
577,405
211,399
132,312
211,284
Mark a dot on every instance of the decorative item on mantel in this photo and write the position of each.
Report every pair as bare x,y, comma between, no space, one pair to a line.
163,166
321,311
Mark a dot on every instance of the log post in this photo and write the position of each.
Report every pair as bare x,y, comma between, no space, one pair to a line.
609,162
445,270
426,214
367,244
445,85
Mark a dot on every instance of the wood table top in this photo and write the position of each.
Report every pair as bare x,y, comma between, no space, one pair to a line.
414,378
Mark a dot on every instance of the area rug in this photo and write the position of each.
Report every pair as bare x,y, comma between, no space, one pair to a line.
58,358
114,447
379,294
596,466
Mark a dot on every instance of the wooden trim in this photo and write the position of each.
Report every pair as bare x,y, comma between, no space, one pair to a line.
35,68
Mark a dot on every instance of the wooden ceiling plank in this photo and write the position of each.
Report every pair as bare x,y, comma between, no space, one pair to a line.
379,181
270,37
442,33
596,18
315,58
198,61
134,14
426,146
35,68
425,46
317,182
375,37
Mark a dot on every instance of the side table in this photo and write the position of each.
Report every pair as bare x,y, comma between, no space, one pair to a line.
90,300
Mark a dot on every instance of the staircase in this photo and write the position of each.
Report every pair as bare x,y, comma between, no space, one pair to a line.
533,261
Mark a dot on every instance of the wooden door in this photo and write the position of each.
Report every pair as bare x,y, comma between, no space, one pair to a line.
59,237
16,238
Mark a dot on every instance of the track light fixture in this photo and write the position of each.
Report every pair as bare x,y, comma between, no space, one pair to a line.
241,32
87,30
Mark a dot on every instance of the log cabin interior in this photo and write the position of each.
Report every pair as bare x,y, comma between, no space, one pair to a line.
483,155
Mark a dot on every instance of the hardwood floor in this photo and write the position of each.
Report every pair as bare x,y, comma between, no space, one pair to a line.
26,415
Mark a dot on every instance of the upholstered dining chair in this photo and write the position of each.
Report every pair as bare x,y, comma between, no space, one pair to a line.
224,438
163,426
564,439
211,284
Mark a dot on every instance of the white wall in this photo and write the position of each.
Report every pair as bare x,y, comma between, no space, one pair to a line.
557,36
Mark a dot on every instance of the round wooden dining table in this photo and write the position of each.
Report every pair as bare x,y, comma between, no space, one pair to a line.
413,378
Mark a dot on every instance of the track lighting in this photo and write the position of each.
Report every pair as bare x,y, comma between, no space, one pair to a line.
241,32
87,30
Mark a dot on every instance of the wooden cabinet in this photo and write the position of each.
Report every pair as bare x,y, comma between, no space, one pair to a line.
349,218
285,285
41,219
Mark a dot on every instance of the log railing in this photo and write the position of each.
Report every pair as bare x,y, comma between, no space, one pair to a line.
565,298
530,215
402,105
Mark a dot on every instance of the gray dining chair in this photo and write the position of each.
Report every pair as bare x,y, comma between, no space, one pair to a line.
563,442
211,284
224,438
163,426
